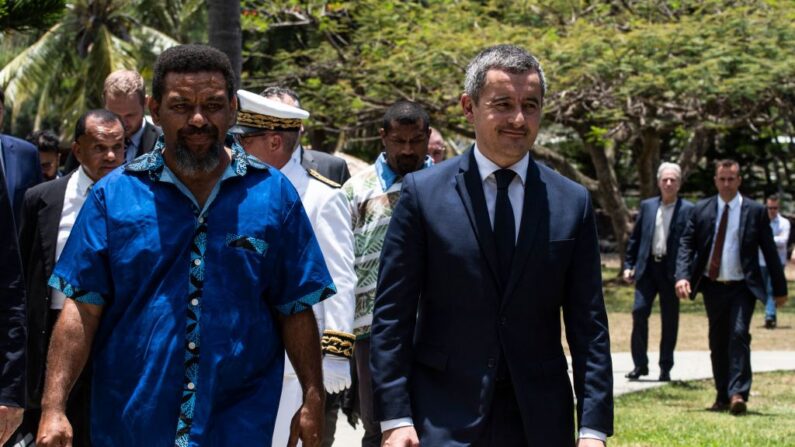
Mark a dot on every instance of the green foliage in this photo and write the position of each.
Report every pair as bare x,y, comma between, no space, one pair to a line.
24,15
64,70
672,65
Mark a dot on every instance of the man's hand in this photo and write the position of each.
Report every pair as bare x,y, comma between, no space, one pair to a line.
10,418
54,430
629,276
400,437
588,442
683,289
307,424
781,300
336,373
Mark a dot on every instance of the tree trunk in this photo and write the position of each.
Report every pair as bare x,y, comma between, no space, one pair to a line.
647,162
694,150
225,32
609,194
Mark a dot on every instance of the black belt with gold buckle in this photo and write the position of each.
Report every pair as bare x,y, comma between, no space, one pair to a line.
658,258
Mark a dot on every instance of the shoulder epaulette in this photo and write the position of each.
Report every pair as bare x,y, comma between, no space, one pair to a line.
318,176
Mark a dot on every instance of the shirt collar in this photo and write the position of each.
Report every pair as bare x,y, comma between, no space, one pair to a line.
387,177
733,203
487,167
84,182
152,163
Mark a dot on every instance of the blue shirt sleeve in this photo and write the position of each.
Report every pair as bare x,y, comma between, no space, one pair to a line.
301,278
83,272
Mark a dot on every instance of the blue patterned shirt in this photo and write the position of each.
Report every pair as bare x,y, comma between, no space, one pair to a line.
188,352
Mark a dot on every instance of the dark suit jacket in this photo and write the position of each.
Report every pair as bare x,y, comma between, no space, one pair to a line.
442,317
148,140
23,169
12,307
755,234
329,166
41,216
639,245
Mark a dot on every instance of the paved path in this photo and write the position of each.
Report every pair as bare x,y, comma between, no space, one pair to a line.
690,365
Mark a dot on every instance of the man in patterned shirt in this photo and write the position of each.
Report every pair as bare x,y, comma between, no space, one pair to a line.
185,270
372,194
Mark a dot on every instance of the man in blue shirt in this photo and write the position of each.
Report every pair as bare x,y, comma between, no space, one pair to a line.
179,263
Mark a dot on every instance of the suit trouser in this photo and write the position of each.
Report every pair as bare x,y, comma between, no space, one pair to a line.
372,429
654,281
730,307
503,426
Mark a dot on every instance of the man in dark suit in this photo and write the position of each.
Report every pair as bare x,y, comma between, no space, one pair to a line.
124,94
49,211
651,263
719,256
19,161
474,357
12,320
329,166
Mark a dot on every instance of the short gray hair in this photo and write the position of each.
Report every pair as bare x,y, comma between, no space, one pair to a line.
669,166
508,58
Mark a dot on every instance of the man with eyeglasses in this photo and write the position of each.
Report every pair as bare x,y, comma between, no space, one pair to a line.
49,212
780,226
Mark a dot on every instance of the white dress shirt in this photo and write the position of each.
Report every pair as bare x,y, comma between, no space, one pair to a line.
731,268
780,226
75,195
487,168
662,225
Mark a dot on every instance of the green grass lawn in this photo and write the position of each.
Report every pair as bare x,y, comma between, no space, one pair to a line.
619,296
675,415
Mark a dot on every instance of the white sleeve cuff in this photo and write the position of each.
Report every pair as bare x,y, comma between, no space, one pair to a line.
587,433
396,423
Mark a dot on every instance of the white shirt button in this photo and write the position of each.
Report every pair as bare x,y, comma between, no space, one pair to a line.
194,302
191,385
197,262
201,219
192,345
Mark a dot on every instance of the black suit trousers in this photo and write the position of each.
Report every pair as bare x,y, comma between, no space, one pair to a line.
730,307
654,281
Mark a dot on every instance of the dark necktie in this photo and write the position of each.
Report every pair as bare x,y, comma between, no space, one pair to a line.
504,224
717,252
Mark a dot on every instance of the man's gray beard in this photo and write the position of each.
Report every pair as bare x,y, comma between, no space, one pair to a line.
191,164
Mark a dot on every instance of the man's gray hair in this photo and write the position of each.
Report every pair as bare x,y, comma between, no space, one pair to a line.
508,58
667,166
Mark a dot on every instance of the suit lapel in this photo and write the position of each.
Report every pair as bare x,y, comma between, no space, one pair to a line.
49,218
535,209
712,217
10,162
470,188
744,209
651,221
148,140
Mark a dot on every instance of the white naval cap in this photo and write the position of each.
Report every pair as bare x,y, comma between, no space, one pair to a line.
257,113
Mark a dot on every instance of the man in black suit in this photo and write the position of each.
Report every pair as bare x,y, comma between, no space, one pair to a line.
651,263
49,211
329,166
124,94
719,256
12,320
474,357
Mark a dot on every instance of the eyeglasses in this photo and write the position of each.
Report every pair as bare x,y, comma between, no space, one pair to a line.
772,207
